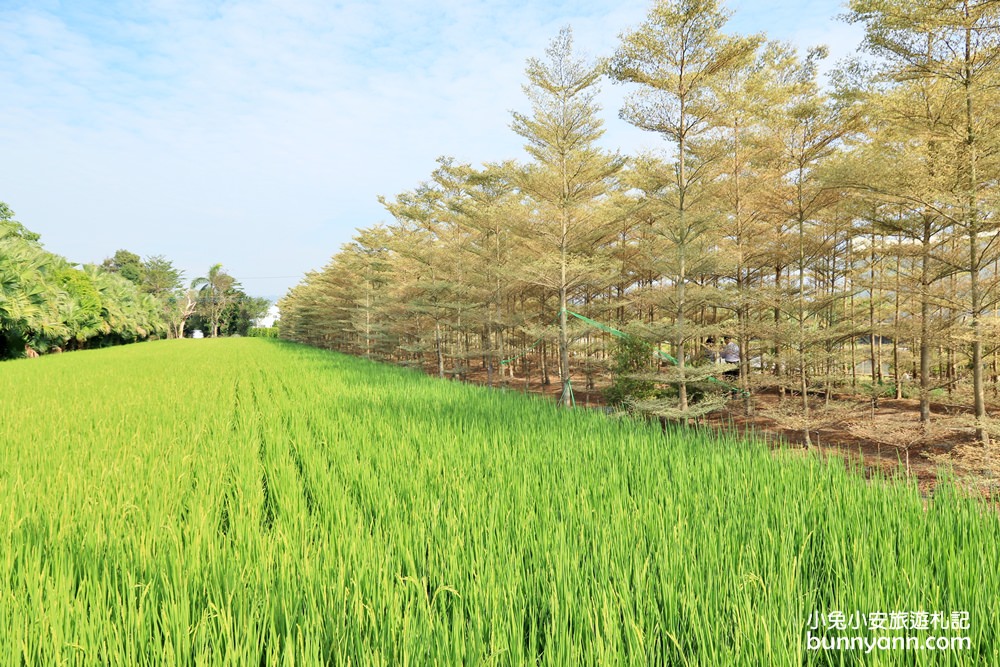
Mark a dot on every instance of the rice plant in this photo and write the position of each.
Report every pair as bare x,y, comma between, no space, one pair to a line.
248,501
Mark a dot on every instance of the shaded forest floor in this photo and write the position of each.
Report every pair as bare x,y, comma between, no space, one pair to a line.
886,438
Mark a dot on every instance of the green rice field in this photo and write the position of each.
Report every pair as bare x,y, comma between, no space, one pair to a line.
254,502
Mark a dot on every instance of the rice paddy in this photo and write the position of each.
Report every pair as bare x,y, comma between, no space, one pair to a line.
248,501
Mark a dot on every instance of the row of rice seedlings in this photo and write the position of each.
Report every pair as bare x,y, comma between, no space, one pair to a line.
247,501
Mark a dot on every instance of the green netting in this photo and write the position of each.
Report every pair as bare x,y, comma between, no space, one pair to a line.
620,334
526,351
659,353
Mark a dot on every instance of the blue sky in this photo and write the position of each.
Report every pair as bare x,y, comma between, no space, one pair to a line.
258,133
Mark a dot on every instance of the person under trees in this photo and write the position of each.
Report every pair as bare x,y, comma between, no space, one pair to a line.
730,354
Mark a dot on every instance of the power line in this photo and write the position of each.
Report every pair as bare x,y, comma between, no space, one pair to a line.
264,277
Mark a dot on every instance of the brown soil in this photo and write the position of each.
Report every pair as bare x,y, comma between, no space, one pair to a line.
879,438
844,433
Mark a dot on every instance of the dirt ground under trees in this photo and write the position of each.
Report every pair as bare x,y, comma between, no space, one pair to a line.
885,437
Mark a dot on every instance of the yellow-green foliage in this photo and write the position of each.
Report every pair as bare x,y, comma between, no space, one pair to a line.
248,502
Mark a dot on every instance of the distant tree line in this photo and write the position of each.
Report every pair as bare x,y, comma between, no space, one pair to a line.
48,304
846,237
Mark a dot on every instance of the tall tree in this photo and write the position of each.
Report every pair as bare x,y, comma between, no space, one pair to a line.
898,168
482,214
810,131
566,181
241,312
11,227
179,307
159,276
749,99
215,294
956,46
128,264
679,57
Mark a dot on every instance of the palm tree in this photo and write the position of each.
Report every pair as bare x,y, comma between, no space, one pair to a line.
215,293
26,312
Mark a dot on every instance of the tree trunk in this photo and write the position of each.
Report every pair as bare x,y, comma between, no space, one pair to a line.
803,383
895,337
925,333
872,334
566,397
972,224
778,365
546,381
437,349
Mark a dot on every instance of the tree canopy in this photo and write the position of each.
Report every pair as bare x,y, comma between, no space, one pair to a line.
844,235
48,304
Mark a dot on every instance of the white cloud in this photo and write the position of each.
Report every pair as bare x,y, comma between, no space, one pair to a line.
259,133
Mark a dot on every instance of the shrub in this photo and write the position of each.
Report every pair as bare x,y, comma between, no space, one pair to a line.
262,332
631,356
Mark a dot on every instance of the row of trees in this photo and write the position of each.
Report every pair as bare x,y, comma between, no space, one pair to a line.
48,304
844,236
215,302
